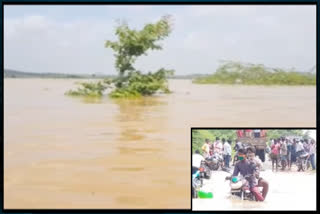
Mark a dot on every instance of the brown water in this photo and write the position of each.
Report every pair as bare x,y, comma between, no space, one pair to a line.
63,152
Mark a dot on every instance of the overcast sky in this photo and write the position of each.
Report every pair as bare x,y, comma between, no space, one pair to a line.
70,39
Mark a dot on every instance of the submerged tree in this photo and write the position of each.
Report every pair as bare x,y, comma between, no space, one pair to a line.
130,45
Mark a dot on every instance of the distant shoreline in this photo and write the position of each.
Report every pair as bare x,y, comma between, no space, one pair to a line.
8,73
201,79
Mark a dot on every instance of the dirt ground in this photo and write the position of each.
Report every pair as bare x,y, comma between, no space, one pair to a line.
288,190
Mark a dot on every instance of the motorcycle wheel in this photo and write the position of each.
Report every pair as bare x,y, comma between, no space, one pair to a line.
303,165
299,164
215,167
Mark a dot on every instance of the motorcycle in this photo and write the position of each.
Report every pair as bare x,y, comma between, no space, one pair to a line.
205,171
303,161
215,161
240,187
197,183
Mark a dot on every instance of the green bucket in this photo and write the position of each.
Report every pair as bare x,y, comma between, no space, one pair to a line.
202,194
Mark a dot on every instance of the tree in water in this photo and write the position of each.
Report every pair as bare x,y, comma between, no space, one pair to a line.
130,45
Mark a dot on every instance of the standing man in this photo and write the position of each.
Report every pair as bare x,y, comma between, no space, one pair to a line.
293,151
289,149
299,148
275,147
218,146
227,153
306,145
312,153
283,153
205,149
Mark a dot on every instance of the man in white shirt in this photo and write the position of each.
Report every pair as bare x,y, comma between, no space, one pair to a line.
196,161
299,148
227,153
218,146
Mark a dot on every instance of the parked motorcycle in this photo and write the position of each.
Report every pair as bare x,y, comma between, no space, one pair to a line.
215,161
205,171
240,187
303,161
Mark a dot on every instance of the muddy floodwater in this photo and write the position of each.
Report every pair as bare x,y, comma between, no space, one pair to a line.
64,152
288,190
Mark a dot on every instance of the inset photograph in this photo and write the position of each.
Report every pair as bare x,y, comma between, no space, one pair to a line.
253,169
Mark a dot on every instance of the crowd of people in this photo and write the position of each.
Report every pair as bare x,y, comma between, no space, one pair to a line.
283,152
221,147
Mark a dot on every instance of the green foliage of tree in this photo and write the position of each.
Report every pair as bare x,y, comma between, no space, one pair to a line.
91,89
277,133
138,84
200,135
130,45
231,72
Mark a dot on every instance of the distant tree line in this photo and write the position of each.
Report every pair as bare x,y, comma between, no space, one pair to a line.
230,72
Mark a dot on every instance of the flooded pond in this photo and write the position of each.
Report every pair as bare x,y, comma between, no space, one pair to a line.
63,152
